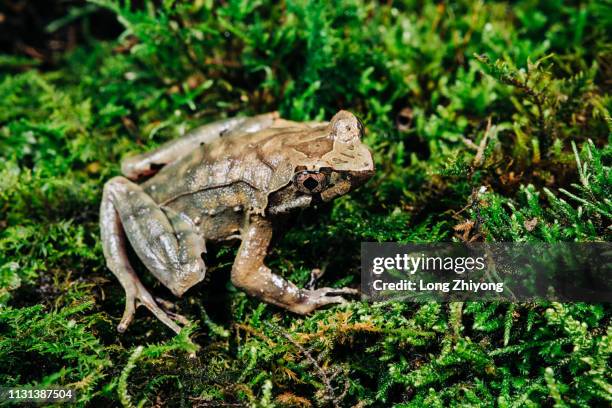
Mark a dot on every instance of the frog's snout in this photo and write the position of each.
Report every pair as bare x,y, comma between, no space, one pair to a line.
359,178
361,174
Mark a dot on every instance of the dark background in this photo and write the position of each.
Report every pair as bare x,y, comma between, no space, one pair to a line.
42,30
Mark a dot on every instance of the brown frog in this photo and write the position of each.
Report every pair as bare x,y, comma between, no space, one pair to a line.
227,180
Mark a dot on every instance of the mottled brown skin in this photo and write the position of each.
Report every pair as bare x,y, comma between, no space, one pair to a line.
227,180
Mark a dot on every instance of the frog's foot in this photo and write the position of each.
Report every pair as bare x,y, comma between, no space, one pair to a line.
314,299
137,295
169,309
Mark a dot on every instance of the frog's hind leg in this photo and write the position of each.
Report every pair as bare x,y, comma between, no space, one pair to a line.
149,163
115,251
166,245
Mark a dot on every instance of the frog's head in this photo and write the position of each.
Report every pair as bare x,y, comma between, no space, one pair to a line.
345,167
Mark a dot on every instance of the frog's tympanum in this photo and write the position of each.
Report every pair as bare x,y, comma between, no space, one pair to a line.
232,179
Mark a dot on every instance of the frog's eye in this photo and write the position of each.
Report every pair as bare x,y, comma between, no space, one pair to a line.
310,182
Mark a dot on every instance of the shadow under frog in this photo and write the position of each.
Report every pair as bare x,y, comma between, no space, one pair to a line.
227,180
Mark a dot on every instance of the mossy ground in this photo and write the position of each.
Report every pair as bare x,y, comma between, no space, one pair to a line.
457,96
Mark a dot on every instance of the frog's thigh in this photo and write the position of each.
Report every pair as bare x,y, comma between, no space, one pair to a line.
148,163
166,244
251,274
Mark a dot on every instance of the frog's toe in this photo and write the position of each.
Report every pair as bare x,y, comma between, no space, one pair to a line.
337,291
158,312
128,314
329,296
330,300
169,308
178,318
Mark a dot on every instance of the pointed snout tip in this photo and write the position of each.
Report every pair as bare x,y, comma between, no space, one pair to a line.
359,178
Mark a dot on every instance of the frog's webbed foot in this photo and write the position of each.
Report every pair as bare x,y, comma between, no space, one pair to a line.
314,299
250,273
137,295
169,309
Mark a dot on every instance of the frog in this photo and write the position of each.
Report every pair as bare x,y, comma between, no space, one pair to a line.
235,179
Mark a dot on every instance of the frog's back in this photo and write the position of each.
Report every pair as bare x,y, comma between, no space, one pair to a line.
255,163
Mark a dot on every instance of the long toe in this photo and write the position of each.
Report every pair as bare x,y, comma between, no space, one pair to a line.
143,297
337,291
128,314
161,315
331,300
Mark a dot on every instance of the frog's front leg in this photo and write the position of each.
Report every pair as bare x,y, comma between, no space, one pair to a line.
250,274
149,163
166,244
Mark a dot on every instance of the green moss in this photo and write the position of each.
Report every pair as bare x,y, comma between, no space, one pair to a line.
514,99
